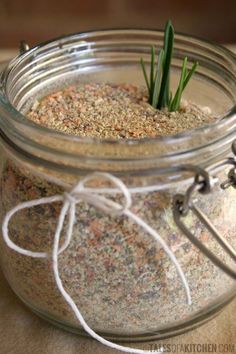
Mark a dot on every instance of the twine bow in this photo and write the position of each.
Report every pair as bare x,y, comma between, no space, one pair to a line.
80,193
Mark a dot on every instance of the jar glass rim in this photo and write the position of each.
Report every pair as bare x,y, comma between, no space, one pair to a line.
227,121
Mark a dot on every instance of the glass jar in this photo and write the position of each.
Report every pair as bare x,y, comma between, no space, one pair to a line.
124,280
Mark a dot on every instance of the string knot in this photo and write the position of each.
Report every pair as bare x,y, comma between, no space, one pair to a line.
68,197
82,193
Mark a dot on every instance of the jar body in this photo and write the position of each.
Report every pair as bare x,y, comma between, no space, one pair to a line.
119,277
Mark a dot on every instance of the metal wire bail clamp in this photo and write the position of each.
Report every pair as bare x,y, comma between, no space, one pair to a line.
183,203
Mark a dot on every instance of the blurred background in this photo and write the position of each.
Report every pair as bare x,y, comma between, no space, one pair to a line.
36,21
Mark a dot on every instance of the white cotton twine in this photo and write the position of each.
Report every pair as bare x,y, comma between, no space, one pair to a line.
77,195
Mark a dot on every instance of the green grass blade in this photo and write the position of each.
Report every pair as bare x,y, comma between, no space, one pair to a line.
174,106
167,89
158,76
170,99
168,28
168,48
152,71
190,74
145,75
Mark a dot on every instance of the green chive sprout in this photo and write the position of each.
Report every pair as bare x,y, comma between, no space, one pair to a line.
158,82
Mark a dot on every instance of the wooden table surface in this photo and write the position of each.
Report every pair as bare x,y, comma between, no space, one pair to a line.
22,332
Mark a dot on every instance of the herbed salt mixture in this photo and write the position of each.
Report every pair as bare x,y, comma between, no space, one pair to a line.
113,111
119,277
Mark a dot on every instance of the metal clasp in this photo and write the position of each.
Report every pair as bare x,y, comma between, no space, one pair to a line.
183,203
23,47
231,180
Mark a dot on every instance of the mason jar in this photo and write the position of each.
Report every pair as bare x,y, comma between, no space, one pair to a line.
115,223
